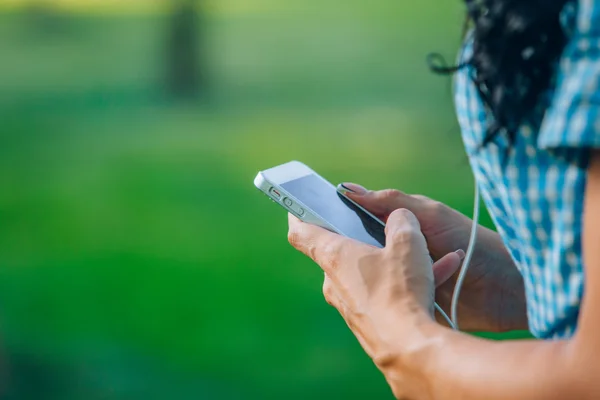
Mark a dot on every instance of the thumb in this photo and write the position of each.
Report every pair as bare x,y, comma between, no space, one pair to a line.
447,266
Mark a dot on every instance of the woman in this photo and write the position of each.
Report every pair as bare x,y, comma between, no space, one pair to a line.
527,98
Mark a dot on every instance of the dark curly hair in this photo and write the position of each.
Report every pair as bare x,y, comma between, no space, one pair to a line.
516,44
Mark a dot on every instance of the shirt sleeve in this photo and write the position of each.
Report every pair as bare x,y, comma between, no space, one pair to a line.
573,117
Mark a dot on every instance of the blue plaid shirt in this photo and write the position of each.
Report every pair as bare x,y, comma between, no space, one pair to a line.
536,197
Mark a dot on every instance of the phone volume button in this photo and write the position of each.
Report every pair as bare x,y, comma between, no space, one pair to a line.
295,208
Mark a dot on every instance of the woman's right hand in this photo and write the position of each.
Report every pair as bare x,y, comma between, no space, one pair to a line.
492,297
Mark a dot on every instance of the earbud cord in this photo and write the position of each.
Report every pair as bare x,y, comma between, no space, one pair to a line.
453,322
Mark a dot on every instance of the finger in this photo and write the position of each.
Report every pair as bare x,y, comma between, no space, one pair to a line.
447,266
381,203
329,293
404,229
326,248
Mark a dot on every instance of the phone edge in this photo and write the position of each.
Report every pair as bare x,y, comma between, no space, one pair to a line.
263,184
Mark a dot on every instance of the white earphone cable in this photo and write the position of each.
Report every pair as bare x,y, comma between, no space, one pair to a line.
446,317
453,322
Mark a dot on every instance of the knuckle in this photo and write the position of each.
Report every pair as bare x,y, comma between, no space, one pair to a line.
406,213
402,214
406,234
294,238
390,194
330,255
420,197
424,200
385,360
328,292
328,295
311,252
406,229
433,206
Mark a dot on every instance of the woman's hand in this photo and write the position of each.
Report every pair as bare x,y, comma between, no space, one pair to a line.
444,228
383,294
493,295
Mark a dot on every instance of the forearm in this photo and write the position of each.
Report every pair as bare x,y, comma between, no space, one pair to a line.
444,364
493,297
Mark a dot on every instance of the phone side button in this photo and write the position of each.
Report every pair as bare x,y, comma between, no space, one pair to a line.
275,193
299,211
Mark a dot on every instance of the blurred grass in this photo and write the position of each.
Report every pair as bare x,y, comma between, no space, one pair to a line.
136,258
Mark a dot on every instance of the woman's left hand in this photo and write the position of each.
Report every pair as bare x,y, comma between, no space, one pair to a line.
382,294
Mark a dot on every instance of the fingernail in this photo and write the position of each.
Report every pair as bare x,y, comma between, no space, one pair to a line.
461,254
354,188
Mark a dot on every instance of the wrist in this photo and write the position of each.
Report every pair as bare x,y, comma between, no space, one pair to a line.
404,361
412,326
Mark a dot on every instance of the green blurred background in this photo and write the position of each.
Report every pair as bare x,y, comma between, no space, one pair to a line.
137,260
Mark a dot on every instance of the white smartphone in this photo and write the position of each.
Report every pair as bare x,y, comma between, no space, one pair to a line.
311,198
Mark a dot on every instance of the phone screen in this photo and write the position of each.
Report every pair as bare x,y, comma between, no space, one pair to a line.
333,207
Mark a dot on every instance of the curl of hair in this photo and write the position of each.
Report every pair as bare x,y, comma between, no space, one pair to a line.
516,44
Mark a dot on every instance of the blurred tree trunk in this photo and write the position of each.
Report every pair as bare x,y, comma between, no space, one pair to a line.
186,63
45,21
